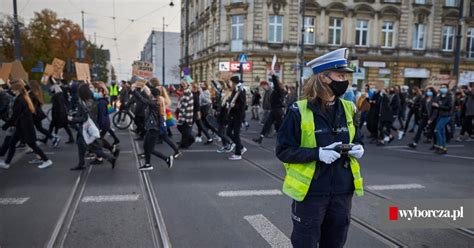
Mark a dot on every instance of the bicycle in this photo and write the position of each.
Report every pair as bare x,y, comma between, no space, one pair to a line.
124,119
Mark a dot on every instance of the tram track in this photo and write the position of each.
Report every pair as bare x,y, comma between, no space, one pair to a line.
158,227
371,230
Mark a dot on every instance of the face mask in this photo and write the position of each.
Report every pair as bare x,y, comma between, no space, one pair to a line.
371,92
429,94
96,95
338,87
443,90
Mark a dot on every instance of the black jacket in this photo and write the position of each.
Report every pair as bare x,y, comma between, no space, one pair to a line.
427,112
22,119
152,108
59,110
238,111
5,99
445,105
335,178
277,98
385,109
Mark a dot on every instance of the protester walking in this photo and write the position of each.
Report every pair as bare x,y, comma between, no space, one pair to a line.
236,104
23,123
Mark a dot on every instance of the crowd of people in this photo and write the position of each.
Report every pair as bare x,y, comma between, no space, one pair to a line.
217,108
436,112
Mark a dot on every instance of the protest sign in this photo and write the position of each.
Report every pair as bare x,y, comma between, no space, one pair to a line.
5,71
83,72
142,69
58,66
17,71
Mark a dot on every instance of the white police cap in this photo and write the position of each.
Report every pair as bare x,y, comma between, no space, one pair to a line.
331,61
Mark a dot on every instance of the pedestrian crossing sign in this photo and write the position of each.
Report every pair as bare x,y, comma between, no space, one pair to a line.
243,58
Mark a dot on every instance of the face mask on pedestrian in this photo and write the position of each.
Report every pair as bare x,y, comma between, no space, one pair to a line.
429,94
96,95
443,90
372,92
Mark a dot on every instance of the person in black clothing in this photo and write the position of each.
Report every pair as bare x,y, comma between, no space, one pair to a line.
155,127
36,96
414,105
385,116
22,120
256,98
277,101
222,115
236,105
103,122
395,105
59,113
427,117
444,104
197,115
86,109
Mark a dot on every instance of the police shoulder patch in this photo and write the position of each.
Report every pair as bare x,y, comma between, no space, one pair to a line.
294,107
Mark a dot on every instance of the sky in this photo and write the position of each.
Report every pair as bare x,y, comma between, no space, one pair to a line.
147,15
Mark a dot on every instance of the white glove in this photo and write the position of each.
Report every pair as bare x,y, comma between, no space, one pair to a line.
329,156
357,151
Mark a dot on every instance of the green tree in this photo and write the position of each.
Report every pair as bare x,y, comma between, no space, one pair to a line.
7,39
97,61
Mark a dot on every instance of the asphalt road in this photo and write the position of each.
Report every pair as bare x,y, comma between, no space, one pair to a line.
202,201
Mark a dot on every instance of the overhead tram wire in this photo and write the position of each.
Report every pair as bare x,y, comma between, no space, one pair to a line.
24,6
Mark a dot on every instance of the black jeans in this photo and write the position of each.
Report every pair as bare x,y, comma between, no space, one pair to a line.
275,117
105,143
201,128
56,130
151,137
186,135
419,131
221,132
467,125
233,131
205,115
321,219
5,145
41,129
168,141
411,113
384,129
12,148
95,147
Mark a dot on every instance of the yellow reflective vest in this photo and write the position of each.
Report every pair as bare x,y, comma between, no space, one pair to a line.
113,90
298,176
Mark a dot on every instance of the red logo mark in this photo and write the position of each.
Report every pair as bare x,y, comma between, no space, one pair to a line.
393,213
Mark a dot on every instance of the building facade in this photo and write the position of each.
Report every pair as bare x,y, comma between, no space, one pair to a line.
398,41
153,52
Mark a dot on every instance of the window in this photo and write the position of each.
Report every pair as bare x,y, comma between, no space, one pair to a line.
450,3
420,1
388,35
237,27
309,32
237,33
448,38
235,1
471,9
362,31
275,29
335,31
470,43
419,36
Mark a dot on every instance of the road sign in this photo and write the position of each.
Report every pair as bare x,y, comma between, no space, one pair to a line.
243,58
235,66
224,66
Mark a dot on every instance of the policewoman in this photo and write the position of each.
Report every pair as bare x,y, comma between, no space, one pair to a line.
320,180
